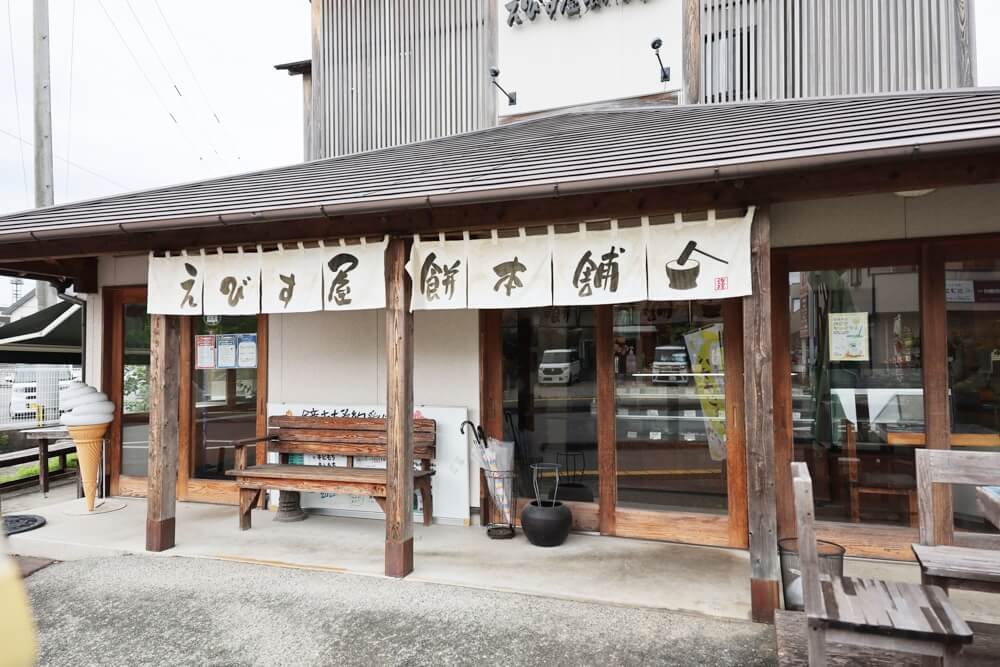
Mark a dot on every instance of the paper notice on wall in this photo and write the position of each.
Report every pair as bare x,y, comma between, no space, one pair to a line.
848,336
225,354
204,352
599,267
292,281
246,350
232,283
704,348
175,285
700,260
510,272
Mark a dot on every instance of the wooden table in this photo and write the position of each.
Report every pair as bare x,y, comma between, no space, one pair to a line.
988,499
45,436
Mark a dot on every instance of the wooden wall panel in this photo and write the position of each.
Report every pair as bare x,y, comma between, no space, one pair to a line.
736,455
607,445
784,443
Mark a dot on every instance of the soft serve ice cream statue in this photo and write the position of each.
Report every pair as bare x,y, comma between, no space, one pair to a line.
87,419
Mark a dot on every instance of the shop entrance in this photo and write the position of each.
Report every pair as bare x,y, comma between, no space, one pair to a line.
638,404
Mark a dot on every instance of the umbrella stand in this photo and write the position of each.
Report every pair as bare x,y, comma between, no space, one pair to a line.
496,459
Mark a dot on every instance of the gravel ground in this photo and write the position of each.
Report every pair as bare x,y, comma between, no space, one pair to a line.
136,610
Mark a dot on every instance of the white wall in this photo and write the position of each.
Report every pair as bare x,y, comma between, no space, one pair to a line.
601,55
340,358
972,209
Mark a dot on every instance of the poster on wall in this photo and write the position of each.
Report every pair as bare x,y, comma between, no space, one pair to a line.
848,336
450,486
291,281
246,350
438,272
599,267
225,351
353,276
204,352
510,272
232,283
700,260
175,284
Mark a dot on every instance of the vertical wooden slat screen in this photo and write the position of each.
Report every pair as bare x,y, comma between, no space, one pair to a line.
391,73
776,49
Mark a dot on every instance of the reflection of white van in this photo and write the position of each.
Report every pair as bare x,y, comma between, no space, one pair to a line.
25,399
559,367
670,363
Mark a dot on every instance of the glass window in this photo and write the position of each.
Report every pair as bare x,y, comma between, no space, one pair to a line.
550,396
972,298
135,390
857,389
225,402
670,406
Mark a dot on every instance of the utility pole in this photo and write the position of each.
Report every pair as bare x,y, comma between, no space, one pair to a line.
45,292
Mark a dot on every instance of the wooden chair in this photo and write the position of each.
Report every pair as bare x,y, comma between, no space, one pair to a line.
891,616
972,567
875,483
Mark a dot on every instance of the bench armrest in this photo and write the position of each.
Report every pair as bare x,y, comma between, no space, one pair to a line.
241,447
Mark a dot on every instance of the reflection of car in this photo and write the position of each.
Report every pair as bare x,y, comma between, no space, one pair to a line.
24,395
670,364
559,367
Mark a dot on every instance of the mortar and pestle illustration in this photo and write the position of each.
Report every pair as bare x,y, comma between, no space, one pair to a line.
682,273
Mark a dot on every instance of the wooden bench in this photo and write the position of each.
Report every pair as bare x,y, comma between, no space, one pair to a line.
967,567
871,613
41,454
330,436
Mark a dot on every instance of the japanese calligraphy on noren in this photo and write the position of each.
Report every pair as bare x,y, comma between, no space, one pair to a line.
437,277
188,286
288,291
233,289
508,275
340,287
591,275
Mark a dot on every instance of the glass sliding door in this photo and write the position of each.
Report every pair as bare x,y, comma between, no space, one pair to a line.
670,407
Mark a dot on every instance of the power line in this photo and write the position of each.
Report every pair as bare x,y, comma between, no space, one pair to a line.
69,108
69,163
150,83
194,76
17,103
152,46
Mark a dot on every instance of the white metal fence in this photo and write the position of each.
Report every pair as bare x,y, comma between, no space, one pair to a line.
29,393
777,49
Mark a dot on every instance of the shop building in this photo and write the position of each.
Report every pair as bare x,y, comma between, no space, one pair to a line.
868,329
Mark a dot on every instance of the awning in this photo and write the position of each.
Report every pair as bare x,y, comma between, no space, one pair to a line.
50,336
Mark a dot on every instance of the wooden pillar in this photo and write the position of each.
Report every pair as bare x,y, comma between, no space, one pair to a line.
736,454
164,402
759,410
490,393
691,51
399,413
934,356
607,447
784,436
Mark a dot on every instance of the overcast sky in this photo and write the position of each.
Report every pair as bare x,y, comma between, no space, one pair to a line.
112,116
117,66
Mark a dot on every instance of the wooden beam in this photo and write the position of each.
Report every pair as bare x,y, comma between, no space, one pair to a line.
490,393
691,51
934,357
794,184
736,453
759,413
80,271
399,413
164,386
607,446
783,433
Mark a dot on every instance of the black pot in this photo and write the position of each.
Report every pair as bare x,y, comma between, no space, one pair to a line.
546,525
576,491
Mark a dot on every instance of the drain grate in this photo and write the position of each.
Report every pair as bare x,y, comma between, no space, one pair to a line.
21,523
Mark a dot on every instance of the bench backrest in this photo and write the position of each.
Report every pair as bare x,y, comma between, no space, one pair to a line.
943,466
812,595
345,436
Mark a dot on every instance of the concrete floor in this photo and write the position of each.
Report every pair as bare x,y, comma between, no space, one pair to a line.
186,611
587,568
